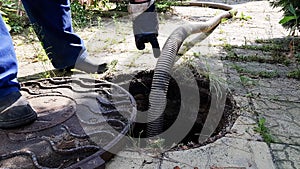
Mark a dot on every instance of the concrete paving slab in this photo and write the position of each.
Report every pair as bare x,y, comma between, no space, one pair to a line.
280,106
283,122
280,89
243,128
133,160
226,152
286,156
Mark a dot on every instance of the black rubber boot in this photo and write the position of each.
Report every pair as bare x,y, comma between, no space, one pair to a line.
15,111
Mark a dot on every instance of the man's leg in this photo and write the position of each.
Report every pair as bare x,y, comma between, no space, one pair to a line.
53,24
14,110
8,63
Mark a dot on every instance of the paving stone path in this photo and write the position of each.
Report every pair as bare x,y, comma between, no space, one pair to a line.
261,90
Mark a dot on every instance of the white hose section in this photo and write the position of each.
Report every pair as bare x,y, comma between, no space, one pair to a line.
160,83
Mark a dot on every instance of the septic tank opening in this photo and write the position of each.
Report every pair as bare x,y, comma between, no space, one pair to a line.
140,86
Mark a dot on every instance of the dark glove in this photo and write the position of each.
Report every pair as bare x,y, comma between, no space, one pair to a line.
145,29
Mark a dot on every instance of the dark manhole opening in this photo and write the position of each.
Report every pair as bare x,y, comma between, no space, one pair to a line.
140,86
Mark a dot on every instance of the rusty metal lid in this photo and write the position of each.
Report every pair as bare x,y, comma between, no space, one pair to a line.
81,123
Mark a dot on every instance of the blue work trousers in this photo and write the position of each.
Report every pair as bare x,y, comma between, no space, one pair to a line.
51,20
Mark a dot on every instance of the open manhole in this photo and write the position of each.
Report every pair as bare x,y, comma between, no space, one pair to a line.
81,124
139,85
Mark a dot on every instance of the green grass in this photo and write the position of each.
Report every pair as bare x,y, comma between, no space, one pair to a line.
156,144
241,58
14,16
277,54
278,51
243,17
263,74
295,74
264,131
268,74
263,47
165,5
297,56
247,81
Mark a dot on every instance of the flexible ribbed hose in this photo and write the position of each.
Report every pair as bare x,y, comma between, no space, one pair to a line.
161,78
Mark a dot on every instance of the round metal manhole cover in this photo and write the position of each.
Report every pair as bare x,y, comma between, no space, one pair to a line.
81,123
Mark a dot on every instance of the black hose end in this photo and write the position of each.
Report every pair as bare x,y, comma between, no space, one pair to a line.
156,52
155,46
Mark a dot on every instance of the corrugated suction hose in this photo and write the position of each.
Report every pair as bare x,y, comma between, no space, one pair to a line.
161,78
